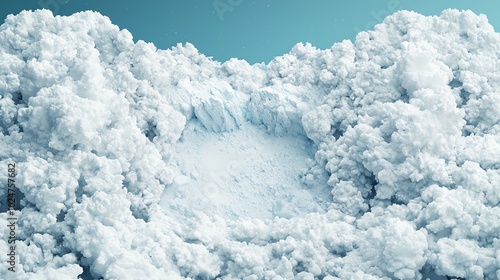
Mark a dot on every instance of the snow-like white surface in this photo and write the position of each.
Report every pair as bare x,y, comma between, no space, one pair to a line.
246,173
374,159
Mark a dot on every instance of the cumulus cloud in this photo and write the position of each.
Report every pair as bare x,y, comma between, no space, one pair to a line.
404,123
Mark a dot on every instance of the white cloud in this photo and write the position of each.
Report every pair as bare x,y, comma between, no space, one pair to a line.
405,143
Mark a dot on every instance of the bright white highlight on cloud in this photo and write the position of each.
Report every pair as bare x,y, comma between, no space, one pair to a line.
378,159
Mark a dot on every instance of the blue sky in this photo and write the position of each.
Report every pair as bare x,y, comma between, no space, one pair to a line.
253,30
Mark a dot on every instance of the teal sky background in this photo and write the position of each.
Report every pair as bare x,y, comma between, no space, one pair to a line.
255,31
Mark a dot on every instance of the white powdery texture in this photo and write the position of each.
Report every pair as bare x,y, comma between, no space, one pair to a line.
405,122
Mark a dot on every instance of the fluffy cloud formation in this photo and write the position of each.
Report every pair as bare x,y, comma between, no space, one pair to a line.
405,122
